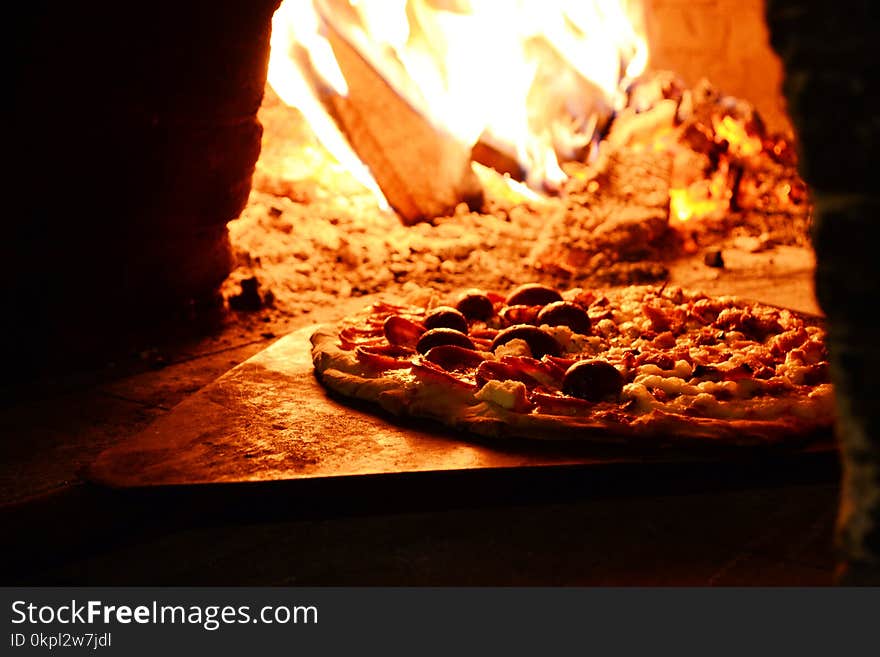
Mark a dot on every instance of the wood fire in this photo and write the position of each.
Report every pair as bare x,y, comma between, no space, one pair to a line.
359,190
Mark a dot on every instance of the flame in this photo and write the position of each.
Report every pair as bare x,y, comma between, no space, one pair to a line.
300,62
534,79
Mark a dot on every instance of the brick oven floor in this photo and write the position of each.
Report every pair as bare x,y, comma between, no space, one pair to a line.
60,530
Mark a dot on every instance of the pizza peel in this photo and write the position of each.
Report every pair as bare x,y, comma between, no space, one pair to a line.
268,420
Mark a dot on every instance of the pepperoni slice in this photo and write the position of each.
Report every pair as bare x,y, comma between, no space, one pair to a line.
384,359
428,371
493,370
557,404
453,357
519,314
545,371
402,332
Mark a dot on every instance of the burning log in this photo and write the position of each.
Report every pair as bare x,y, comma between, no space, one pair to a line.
412,86
422,170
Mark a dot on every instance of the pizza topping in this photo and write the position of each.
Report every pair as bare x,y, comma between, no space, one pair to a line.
785,342
493,370
519,314
661,360
810,375
540,342
660,321
475,305
428,371
446,317
664,340
814,351
707,336
532,294
559,404
453,357
565,313
607,327
706,310
392,358
402,332
594,380
546,372
514,348
574,343
443,336
719,373
581,353
749,322
506,394
681,369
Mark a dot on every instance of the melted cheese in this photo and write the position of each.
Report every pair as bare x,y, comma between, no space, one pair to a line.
671,385
682,370
574,343
506,394
515,347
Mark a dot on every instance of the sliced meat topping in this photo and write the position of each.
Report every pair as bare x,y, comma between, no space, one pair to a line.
402,332
453,357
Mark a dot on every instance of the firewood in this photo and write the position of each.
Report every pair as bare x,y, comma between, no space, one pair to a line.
490,156
422,170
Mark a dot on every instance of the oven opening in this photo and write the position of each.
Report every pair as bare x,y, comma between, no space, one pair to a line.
582,143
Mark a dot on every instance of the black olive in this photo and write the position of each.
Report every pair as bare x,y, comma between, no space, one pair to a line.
593,380
532,294
446,317
438,336
474,304
565,313
540,343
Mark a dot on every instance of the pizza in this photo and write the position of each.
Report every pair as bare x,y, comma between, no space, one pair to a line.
638,365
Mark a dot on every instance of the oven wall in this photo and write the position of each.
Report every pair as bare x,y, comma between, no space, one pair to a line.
726,41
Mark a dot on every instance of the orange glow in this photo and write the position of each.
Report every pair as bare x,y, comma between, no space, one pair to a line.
700,199
534,79
734,132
